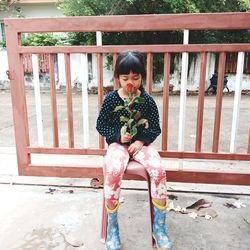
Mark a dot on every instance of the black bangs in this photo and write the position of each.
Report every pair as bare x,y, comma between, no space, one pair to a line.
130,61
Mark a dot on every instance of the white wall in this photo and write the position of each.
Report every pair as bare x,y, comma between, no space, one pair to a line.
36,10
77,67
3,65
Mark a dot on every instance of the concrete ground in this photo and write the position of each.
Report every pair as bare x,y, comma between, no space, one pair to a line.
59,213
66,215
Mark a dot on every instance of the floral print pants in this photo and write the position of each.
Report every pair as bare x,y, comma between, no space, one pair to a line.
116,161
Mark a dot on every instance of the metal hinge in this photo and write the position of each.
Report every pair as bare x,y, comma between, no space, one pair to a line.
10,74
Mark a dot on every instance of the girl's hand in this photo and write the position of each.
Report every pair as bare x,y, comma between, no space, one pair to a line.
135,147
126,138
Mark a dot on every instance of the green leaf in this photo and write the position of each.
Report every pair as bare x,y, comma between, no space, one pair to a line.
117,108
126,101
142,121
133,131
139,99
123,130
137,115
123,119
130,122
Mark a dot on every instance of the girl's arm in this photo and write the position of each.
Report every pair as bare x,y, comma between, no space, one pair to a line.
150,134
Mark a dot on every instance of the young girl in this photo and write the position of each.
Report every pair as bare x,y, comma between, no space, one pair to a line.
124,145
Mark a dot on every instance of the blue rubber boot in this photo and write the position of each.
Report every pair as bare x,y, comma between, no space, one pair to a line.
113,238
160,232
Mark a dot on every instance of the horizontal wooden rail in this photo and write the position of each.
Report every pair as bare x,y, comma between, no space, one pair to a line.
167,154
208,21
179,48
188,176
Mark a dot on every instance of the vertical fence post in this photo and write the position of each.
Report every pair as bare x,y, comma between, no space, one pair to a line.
18,98
182,116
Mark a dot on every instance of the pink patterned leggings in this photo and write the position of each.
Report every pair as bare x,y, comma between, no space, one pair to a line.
116,161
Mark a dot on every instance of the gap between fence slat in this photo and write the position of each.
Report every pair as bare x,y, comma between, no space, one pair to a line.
85,102
237,98
39,119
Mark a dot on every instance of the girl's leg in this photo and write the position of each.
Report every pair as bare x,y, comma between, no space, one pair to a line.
150,159
116,161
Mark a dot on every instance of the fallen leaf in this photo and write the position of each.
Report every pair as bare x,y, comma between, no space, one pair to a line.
51,191
208,217
121,199
193,215
239,204
236,204
207,211
172,197
229,205
96,183
177,209
200,204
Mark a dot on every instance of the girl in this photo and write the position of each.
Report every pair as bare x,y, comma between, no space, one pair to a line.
124,145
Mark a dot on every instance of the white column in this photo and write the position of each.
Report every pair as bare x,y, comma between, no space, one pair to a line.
182,116
85,104
237,97
39,120
61,69
98,38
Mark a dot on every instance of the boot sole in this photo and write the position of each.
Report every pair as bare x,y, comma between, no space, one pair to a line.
157,247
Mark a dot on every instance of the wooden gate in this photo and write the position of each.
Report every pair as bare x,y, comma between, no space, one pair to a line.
185,22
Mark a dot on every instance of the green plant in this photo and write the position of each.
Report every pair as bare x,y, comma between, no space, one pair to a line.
44,39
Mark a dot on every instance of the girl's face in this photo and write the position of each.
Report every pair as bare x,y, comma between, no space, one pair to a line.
133,78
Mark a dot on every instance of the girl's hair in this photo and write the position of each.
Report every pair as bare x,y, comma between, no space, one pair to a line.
130,61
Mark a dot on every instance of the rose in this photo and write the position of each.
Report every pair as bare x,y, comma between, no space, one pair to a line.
130,86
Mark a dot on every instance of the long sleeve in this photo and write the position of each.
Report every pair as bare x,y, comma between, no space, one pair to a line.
105,124
150,134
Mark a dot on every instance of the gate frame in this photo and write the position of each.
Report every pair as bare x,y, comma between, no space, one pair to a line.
208,21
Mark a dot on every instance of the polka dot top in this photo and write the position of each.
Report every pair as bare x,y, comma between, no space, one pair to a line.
109,124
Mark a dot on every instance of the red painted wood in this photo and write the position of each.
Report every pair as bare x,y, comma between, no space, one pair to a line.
218,108
18,97
115,80
173,175
199,123
165,110
53,100
100,90
149,79
174,48
210,21
124,23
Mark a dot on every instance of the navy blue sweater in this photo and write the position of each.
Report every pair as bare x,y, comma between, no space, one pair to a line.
109,124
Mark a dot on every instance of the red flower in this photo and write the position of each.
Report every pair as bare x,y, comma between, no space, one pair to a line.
130,86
